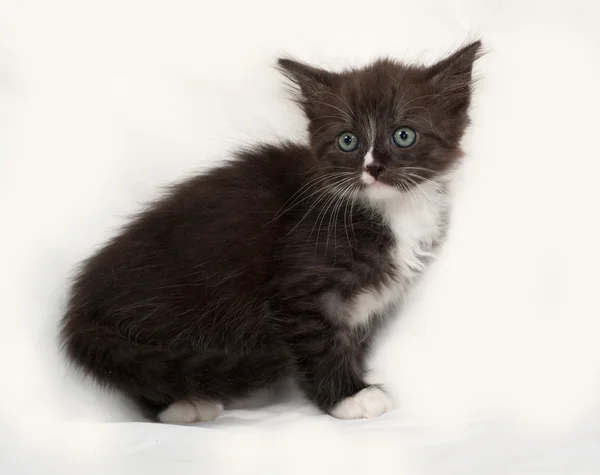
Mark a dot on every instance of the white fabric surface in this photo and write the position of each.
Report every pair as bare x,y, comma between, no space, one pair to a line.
494,365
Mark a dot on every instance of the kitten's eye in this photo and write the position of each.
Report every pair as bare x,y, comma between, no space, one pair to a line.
348,142
404,137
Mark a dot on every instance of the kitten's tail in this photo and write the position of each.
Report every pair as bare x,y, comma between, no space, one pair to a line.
155,376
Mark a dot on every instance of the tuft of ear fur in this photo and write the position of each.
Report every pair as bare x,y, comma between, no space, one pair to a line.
308,79
454,75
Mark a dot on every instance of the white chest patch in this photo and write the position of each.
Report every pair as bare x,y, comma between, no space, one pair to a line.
416,221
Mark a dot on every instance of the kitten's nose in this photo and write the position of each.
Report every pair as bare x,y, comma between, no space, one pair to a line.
374,170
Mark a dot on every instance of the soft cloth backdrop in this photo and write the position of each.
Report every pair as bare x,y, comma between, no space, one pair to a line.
494,365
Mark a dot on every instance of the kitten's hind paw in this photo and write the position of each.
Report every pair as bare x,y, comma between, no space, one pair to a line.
365,404
187,412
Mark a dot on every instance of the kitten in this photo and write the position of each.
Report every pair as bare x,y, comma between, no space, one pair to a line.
285,260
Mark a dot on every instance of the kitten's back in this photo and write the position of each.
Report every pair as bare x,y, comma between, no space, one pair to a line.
142,307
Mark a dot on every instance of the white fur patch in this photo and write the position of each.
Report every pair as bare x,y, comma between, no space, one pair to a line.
187,412
369,157
365,404
415,219
365,177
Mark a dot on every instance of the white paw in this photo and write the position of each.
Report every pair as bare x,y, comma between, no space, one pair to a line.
186,412
365,404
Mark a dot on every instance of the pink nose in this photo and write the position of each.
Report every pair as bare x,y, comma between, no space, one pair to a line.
374,170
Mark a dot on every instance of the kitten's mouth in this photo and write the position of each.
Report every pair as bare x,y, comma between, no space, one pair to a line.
371,181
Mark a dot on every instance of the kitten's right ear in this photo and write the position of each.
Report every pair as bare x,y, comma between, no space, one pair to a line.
308,79
454,76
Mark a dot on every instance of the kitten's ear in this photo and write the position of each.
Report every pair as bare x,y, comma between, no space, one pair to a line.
309,80
454,74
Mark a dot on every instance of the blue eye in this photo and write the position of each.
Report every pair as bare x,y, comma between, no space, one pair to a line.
348,142
404,137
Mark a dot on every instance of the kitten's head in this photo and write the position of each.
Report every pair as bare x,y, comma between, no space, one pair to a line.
387,126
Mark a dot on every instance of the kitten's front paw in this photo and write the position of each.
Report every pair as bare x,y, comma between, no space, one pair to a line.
365,404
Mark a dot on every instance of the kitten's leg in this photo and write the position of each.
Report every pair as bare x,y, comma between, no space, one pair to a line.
198,385
331,371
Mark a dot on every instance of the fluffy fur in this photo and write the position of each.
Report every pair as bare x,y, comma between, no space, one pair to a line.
283,261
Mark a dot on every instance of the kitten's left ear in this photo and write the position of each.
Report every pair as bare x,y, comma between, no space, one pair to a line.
454,74
310,80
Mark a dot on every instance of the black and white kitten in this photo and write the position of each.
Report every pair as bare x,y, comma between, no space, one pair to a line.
284,260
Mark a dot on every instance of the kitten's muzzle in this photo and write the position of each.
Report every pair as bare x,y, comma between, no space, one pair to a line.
374,169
